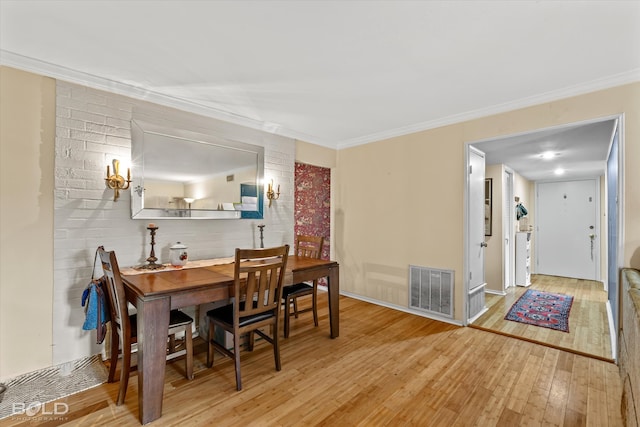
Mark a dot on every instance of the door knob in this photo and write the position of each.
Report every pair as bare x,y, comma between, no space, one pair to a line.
483,245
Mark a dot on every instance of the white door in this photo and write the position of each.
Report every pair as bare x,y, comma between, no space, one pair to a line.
567,242
476,218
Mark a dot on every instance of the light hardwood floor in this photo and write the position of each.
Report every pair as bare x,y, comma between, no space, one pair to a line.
387,368
588,323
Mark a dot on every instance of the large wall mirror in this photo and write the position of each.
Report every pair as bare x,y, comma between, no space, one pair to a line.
187,175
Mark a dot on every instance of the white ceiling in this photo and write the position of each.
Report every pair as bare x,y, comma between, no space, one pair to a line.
579,150
334,73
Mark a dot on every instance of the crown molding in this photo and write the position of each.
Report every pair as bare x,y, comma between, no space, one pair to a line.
96,82
59,72
579,89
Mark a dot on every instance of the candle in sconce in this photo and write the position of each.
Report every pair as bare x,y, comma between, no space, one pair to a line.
151,225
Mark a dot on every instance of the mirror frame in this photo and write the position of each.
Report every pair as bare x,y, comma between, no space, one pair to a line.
141,134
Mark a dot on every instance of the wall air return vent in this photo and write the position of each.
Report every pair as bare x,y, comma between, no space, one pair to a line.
431,290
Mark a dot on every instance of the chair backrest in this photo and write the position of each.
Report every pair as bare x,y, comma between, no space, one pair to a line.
309,246
258,279
117,298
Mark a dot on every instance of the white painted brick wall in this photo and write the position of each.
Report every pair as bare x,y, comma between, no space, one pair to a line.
92,128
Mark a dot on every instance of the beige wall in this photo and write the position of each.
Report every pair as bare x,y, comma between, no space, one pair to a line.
27,133
493,254
315,155
401,201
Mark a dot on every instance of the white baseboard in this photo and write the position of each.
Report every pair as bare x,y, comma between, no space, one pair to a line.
613,333
400,308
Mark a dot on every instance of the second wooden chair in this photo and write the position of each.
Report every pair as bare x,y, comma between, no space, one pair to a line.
306,246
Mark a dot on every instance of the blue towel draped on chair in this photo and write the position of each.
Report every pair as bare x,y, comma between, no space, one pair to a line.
96,313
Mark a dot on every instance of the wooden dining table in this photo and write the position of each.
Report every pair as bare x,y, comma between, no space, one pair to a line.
155,293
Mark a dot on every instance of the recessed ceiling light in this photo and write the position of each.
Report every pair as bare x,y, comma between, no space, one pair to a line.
559,171
548,155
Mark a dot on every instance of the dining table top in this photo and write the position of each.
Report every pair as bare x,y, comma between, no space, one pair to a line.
204,273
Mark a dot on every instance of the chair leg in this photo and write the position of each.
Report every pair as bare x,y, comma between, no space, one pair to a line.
210,344
236,360
276,349
295,307
251,340
115,344
124,370
314,301
172,343
188,344
287,314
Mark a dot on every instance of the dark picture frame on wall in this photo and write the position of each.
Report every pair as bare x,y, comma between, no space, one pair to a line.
488,205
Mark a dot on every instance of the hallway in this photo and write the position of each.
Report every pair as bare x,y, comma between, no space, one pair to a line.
588,323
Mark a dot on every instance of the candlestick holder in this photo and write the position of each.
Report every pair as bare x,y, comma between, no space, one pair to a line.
152,265
261,227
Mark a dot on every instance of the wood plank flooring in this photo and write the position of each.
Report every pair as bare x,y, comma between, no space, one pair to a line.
387,368
588,323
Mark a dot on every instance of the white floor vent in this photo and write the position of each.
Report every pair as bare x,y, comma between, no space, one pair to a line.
431,290
476,301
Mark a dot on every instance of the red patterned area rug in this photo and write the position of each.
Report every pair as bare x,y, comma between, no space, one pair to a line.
543,309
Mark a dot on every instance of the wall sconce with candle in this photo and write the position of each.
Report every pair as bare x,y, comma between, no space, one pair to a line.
272,195
116,182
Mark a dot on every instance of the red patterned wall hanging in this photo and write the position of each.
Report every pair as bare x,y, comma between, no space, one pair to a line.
312,202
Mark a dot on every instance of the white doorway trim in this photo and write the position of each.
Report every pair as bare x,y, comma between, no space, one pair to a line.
508,229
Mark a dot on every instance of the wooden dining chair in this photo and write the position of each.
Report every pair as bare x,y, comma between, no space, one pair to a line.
257,291
124,327
306,246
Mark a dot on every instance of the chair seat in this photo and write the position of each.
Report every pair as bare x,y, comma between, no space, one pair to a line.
225,314
297,289
176,318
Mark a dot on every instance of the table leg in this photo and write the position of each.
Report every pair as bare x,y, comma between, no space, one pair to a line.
153,329
334,301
